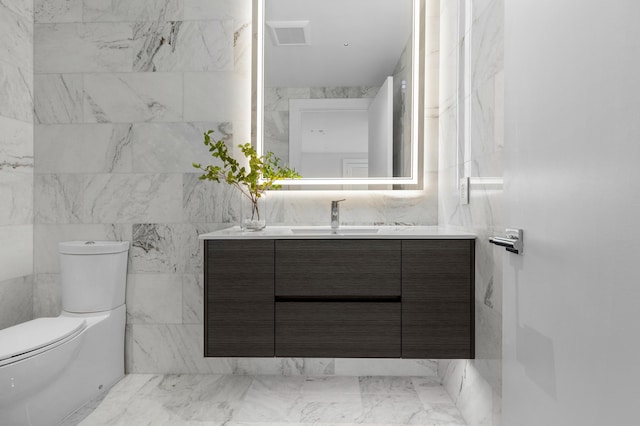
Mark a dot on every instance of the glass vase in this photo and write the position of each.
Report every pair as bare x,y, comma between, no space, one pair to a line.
254,214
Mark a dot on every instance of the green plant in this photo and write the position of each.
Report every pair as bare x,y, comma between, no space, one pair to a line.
252,182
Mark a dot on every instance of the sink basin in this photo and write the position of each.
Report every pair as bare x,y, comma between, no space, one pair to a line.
329,231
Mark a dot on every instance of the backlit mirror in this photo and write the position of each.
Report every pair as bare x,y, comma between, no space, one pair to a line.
336,85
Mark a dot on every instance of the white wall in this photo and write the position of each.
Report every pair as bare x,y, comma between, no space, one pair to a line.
571,302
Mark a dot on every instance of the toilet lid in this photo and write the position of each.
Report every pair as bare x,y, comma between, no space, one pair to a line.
36,334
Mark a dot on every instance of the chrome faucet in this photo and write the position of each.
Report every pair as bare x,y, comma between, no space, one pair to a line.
335,214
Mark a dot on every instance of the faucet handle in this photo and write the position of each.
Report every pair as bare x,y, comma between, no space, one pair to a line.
335,202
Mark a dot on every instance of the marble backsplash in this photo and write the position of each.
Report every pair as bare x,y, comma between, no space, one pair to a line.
121,102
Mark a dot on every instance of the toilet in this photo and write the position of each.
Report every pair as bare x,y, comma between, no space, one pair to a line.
49,367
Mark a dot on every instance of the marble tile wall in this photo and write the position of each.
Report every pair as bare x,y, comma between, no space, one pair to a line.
471,145
16,162
123,91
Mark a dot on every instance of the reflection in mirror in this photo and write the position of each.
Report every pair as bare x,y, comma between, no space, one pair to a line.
335,89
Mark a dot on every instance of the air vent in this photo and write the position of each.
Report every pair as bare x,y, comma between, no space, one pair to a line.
289,33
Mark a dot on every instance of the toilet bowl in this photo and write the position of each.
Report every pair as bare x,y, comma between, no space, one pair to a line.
49,367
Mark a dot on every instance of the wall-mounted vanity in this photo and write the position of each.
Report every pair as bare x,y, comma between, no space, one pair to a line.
337,91
387,292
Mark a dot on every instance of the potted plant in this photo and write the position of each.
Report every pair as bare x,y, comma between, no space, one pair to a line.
252,182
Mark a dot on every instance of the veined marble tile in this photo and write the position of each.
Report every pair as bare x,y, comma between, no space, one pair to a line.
47,238
215,9
16,301
125,198
168,248
59,198
448,138
276,134
277,98
16,145
23,8
207,96
47,295
281,406
16,193
83,148
393,385
344,92
332,389
470,392
16,92
404,409
16,250
210,202
184,46
58,98
387,367
108,198
232,400
58,11
487,44
80,47
132,10
430,390
488,360
136,97
284,367
16,37
174,147
242,38
172,348
192,299
487,121
154,299
448,77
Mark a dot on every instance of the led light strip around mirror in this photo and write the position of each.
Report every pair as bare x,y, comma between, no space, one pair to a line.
415,110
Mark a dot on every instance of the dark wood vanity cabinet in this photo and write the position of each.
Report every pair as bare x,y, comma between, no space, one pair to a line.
339,298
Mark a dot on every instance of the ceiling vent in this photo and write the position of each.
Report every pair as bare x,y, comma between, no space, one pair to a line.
289,33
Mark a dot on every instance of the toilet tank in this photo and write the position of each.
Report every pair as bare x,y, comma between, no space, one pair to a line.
93,274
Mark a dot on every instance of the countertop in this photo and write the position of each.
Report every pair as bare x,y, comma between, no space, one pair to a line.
345,232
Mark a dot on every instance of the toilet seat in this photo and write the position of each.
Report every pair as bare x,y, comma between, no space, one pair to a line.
33,337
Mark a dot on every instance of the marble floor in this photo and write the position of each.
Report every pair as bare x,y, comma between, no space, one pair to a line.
143,399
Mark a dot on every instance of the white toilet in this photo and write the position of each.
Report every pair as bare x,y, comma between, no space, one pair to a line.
49,367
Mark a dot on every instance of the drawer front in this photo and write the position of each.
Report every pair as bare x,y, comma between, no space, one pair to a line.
437,299
338,329
340,268
239,298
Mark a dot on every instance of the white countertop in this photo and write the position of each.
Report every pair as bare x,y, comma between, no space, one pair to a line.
345,232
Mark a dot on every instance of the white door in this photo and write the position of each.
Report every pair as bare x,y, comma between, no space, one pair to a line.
381,132
571,307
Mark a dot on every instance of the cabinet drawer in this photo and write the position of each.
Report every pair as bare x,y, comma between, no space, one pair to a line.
338,329
239,298
437,299
347,268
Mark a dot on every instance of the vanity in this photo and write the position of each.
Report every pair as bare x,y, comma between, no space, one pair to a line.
384,292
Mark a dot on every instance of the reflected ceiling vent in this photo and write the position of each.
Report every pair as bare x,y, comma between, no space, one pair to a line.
289,33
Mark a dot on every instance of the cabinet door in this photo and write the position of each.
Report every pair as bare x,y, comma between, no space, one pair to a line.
239,297
338,329
337,268
438,299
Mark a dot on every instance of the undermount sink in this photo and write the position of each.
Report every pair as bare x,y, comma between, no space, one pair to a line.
329,231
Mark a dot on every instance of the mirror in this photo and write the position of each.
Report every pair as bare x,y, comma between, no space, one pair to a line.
336,84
